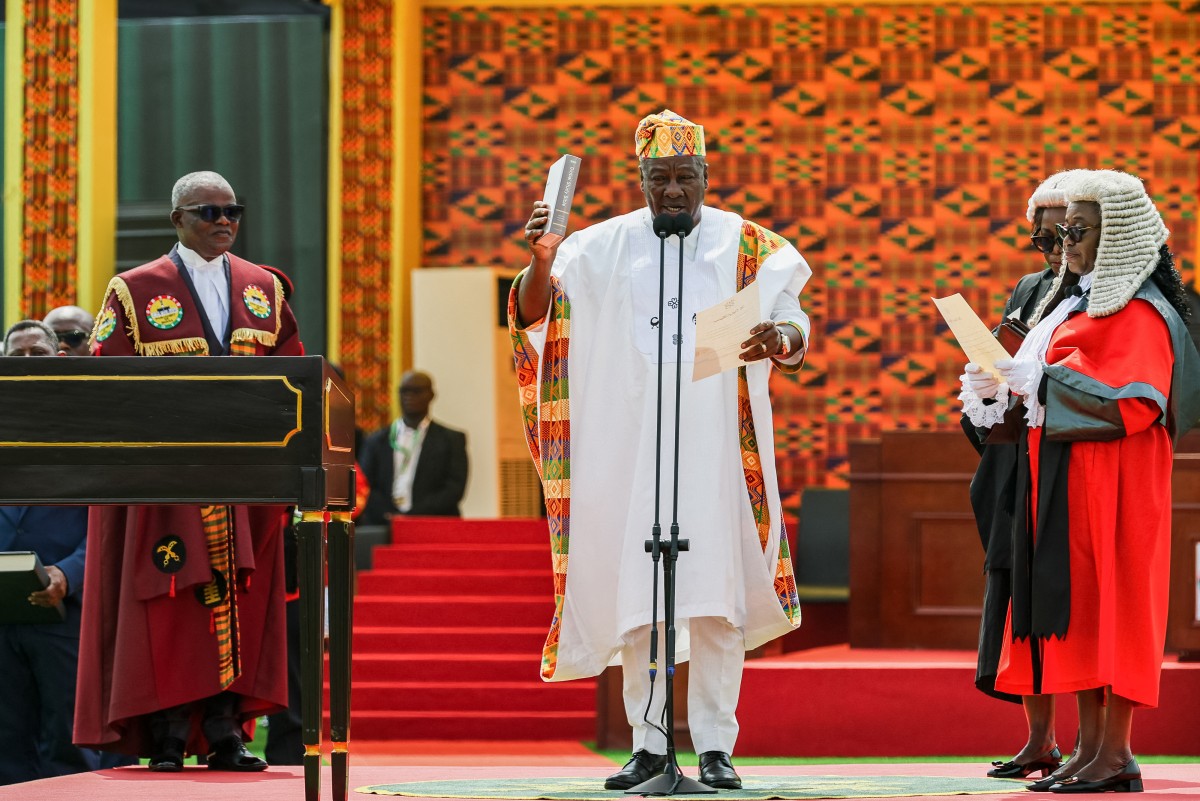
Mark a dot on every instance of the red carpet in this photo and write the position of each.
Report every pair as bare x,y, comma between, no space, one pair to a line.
448,633
842,702
1174,782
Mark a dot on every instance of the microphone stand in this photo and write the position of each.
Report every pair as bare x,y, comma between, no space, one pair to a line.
671,781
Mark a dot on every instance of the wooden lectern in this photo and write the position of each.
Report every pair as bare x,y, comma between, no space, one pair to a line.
163,430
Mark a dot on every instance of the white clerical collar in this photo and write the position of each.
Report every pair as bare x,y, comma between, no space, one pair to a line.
194,261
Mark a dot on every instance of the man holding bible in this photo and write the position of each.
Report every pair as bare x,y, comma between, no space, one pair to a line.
584,320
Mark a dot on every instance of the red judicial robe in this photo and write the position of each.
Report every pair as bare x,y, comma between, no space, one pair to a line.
148,641
1118,509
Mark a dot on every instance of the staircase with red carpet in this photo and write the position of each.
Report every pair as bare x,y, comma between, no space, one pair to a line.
448,633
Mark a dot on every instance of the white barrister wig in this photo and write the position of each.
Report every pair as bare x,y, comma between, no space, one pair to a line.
1052,192
1131,234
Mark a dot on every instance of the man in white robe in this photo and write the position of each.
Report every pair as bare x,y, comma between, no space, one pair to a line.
584,320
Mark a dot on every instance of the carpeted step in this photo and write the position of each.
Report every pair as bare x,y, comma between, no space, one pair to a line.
466,556
472,725
532,695
475,531
526,640
453,611
431,581
444,667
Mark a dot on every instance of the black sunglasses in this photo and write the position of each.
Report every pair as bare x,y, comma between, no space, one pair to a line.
1045,242
73,338
210,213
1073,232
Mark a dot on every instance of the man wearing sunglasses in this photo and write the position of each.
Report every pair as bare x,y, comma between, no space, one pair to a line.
73,325
184,651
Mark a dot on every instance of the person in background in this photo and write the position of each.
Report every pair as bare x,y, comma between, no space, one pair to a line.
73,325
38,661
416,465
184,642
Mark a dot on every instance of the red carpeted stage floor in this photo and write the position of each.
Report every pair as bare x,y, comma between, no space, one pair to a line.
1167,781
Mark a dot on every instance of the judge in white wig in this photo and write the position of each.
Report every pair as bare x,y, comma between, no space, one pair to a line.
1108,383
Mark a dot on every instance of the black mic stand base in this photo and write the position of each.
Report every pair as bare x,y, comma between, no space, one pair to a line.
671,782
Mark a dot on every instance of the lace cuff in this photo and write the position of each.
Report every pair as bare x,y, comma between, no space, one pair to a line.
1027,377
980,413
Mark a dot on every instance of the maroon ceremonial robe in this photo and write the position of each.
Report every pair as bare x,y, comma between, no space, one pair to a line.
148,641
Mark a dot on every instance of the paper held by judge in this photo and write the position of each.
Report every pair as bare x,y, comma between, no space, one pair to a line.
973,336
721,330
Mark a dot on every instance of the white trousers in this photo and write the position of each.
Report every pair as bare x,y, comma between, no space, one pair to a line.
718,650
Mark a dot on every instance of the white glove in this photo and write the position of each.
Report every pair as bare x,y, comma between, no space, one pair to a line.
979,381
1021,375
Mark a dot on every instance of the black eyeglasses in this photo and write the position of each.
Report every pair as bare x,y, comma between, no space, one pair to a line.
210,212
73,338
1074,233
1045,242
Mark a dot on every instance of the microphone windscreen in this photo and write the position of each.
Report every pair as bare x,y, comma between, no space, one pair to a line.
1074,291
664,225
684,223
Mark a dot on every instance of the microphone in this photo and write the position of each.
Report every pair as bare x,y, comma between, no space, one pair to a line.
666,225
684,224
1073,291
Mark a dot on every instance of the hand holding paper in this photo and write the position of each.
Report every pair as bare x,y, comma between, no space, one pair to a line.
973,336
721,330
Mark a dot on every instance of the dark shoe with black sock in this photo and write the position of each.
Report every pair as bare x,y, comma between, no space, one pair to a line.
231,754
716,770
642,766
169,756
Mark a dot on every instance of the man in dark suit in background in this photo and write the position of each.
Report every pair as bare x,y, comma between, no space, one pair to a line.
38,661
415,466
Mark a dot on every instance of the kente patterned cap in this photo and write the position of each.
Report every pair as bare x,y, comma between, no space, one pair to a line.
667,134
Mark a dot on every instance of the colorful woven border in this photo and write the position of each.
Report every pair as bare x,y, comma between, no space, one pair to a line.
754,247
50,176
545,392
366,205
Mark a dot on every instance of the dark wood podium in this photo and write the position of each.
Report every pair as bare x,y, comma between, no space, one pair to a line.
163,430
916,565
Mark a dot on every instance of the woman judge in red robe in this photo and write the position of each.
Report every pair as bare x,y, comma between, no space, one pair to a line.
1108,384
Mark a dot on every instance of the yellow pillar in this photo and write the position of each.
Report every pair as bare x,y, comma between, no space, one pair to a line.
97,188
333,250
14,155
407,80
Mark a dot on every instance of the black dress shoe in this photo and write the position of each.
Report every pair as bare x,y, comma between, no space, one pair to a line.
231,754
169,757
1046,763
717,771
1128,780
642,766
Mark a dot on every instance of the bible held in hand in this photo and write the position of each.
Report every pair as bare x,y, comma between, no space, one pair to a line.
21,573
560,190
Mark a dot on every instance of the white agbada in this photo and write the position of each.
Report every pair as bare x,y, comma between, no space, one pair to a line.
610,275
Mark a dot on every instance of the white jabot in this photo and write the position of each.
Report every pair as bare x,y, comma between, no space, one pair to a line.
209,280
1033,351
